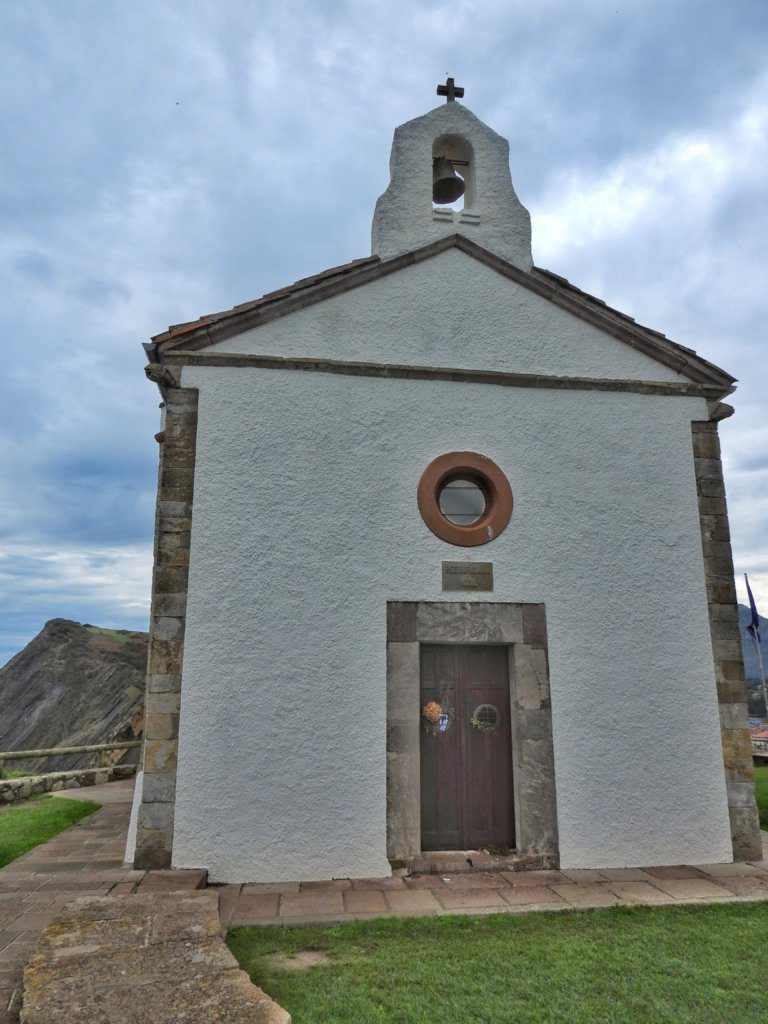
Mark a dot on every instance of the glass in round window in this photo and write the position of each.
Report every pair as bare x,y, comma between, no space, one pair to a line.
462,501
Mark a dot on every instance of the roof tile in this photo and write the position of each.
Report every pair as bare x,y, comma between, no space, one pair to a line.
175,330
561,285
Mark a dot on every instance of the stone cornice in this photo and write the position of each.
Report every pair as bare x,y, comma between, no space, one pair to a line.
175,361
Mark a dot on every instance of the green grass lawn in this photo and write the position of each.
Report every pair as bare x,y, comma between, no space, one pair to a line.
677,965
761,792
34,821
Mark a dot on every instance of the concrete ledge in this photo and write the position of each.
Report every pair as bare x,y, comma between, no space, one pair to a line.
12,790
152,959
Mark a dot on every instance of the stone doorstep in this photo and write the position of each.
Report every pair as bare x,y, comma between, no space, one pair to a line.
453,862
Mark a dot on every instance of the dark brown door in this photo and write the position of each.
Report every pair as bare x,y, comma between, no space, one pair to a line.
466,748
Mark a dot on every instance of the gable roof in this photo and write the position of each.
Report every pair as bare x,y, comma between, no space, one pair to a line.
216,327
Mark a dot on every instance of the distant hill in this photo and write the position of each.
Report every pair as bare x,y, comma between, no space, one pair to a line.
72,685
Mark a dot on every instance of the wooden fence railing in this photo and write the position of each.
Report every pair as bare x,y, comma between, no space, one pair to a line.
91,748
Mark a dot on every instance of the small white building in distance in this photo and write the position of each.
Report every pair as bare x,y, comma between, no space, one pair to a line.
442,563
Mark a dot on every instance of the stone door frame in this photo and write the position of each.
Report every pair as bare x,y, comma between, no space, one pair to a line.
520,627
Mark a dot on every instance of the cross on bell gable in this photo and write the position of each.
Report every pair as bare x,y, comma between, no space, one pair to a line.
450,91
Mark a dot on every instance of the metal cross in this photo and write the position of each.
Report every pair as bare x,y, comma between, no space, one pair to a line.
450,91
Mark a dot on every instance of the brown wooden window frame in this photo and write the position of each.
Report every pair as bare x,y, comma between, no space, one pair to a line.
483,472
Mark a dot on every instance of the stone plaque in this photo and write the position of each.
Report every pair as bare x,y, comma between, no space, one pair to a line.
467,575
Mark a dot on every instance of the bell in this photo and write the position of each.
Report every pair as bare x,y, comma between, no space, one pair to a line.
447,186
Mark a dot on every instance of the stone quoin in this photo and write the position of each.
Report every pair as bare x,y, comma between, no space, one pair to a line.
323,699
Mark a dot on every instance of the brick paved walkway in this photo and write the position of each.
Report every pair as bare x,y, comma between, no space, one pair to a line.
510,892
87,859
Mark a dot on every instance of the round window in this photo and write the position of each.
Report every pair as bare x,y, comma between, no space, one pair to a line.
485,718
464,498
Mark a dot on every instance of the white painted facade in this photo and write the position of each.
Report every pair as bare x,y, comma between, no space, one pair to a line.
305,524
450,311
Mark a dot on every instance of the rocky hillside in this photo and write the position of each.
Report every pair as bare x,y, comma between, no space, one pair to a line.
73,684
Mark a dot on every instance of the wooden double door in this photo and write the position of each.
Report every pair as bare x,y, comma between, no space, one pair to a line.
466,748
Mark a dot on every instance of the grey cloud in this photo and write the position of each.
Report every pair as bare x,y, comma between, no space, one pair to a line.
35,265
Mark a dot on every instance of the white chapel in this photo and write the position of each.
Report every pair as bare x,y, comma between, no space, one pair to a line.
442,563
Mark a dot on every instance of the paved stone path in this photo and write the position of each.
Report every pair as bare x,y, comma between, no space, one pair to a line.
510,892
151,959
87,859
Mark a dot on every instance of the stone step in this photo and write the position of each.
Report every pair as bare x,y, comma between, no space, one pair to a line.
454,862
144,959
173,880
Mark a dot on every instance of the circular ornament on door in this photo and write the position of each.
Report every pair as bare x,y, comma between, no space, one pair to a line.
485,718
464,498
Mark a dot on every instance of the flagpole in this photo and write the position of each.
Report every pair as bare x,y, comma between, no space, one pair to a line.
756,641
762,674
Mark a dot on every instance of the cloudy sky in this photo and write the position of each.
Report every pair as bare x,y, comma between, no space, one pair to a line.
162,160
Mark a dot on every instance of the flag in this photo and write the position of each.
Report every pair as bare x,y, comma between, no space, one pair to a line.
754,626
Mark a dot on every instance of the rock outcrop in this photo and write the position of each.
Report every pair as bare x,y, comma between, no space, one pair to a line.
72,685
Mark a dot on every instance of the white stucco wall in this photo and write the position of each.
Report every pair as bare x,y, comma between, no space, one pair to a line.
305,524
450,311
